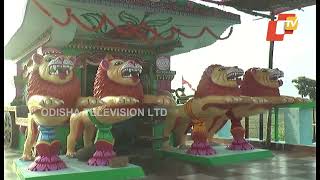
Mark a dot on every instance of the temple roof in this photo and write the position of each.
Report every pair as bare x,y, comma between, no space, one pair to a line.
178,7
183,24
276,6
256,8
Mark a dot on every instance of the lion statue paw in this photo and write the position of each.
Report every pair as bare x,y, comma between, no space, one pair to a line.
287,99
71,154
165,101
51,102
89,102
120,100
25,157
125,100
301,100
259,100
233,99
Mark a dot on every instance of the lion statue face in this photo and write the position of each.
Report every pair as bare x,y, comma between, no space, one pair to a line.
54,67
261,82
219,80
118,76
53,75
124,72
268,77
226,76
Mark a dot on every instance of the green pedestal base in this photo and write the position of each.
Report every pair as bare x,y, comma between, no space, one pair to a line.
222,157
79,171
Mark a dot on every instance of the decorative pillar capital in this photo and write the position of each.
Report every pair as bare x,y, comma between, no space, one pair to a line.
165,75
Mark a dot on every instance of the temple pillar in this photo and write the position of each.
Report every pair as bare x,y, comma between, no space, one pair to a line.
164,75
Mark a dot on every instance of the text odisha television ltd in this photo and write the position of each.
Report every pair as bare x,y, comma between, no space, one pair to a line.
290,25
109,112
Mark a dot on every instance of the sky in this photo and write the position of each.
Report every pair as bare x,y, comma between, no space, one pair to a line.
247,47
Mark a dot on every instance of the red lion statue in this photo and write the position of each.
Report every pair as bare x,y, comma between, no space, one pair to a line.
52,87
257,83
118,85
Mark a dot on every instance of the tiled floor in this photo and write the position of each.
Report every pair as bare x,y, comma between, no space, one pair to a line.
283,166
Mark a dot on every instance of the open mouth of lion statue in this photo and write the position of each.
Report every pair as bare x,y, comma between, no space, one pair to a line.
61,68
227,76
234,74
269,77
275,75
132,71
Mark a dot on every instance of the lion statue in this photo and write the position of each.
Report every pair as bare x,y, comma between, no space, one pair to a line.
257,82
117,84
53,90
217,92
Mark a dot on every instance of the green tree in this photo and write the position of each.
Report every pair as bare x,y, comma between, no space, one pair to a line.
306,87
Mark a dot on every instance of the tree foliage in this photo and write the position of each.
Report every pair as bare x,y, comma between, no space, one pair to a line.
306,87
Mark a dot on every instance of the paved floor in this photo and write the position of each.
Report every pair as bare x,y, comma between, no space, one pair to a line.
283,166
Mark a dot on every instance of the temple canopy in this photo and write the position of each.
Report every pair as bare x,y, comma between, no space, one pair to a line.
256,8
275,6
170,27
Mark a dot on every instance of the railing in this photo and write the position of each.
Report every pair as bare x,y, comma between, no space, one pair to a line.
291,124
314,125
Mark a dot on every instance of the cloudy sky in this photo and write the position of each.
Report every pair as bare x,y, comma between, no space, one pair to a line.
247,47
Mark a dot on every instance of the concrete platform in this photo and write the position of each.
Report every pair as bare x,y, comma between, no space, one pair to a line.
78,170
222,157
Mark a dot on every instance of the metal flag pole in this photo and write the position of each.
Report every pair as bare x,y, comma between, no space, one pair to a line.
182,82
270,65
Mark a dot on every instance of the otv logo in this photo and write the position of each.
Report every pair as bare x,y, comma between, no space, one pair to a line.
291,24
